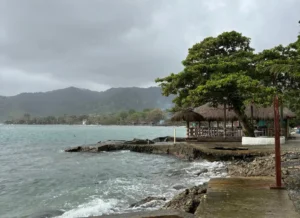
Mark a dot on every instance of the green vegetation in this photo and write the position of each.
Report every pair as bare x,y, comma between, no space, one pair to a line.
225,70
74,101
145,117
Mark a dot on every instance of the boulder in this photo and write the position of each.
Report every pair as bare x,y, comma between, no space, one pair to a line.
178,187
139,142
188,200
75,149
147,200
201,172
168,139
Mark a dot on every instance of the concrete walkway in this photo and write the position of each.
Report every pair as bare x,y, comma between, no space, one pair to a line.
246,198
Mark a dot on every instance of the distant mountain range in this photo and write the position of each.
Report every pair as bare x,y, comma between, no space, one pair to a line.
75,101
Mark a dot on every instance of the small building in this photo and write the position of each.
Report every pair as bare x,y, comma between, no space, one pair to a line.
221,123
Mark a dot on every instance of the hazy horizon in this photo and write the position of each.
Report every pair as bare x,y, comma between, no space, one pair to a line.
78,88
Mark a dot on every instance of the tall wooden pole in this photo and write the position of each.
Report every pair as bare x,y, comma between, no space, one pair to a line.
224,120
281,114
187,129
251,114
277,143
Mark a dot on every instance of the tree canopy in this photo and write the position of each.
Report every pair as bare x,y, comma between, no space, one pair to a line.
225,70
219,70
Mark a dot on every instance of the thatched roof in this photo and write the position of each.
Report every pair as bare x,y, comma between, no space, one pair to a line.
213,114
187,115
267,113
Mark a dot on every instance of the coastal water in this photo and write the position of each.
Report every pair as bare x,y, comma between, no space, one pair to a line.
37,179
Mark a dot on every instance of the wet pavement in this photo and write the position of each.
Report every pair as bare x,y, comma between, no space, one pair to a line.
247,198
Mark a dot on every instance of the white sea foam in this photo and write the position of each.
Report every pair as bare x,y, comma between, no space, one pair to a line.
214,169
92,208
124,151
129,187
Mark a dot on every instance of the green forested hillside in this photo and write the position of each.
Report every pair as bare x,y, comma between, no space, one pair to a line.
74,101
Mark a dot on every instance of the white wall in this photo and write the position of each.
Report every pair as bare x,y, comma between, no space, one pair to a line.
261,140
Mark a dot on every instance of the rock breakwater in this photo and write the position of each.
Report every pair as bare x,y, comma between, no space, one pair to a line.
182,149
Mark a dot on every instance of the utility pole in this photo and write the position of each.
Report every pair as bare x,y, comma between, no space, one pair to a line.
277,144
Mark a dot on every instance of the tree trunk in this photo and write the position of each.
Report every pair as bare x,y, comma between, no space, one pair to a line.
246,124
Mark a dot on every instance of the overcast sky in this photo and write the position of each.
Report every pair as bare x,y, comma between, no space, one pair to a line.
98,44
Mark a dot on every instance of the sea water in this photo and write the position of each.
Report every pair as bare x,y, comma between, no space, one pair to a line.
38,179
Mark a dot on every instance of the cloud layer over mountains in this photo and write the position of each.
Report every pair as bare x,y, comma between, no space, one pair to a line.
97,44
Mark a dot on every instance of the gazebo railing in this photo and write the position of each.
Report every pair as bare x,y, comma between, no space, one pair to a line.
213,132
195,132
269,132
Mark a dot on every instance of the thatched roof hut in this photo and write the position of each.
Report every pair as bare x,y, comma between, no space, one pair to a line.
187,115
217,114
267,113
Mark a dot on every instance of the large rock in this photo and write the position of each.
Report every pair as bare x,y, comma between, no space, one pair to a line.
169,139
139,142
75,149
188,200
147,200
179,187
82,149
201,172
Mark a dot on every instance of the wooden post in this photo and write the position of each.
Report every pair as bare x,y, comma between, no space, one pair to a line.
187,129
281,114
174,136
277,144
252,114
286,128
224,120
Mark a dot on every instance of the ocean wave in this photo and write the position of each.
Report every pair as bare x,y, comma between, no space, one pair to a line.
96,207
133,189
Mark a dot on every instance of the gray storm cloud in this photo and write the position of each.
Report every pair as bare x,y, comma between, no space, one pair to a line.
92,44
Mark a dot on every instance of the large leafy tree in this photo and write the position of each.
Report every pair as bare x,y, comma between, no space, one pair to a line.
218,70
279,67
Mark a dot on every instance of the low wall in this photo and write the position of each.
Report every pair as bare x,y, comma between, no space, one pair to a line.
219,139
261,140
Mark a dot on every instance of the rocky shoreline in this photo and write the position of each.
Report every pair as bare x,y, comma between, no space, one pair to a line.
181,149
190,200
244,163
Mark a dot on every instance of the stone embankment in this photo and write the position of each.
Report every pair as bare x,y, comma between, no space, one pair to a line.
182,149
242,161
